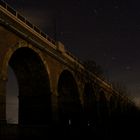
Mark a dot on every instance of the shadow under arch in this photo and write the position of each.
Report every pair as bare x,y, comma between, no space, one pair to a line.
112,105
103,107
90,105
70,108
34,87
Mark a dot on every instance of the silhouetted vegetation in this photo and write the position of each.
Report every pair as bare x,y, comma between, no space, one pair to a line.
93,67
123,119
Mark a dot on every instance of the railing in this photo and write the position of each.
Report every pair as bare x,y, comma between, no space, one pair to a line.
35,28
27,22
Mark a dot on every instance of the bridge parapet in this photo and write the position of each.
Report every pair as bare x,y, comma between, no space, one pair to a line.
17,16
13,15
60,47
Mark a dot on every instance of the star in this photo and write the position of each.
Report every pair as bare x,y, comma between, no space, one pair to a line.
113,58
95,11
128,68
116,7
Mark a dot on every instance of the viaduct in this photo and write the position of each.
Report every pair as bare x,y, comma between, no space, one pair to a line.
54,86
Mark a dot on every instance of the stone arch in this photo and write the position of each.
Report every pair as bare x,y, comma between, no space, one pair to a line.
70,108
9,53
34,86
90,105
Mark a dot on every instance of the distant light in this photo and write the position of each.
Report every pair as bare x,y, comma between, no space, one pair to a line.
95,11
88,123
113,58
128,68
69,122
116,7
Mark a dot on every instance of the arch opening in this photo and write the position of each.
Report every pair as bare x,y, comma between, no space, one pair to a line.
12,98
90,105
34,98
70,108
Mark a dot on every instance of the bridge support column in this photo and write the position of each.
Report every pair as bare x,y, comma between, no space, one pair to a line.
3,101
55,116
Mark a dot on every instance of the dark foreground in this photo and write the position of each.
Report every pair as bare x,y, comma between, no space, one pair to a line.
117,127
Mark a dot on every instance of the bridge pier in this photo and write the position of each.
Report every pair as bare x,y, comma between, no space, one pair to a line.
2,101
55,117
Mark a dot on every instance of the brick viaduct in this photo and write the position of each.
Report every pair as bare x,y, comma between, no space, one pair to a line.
54,86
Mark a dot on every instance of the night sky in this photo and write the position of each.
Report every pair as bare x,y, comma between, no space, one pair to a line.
106,31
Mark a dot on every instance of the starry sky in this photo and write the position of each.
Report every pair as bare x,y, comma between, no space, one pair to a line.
106,31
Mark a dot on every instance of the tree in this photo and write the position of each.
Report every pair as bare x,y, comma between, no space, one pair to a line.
92,66
120,88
